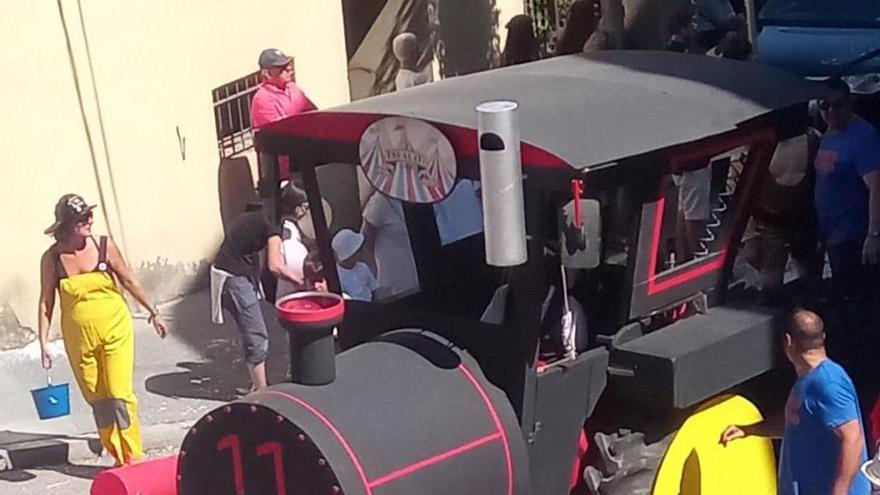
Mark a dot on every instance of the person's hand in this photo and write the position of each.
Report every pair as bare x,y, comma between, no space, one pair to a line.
731,433
871,251
158,325
47,358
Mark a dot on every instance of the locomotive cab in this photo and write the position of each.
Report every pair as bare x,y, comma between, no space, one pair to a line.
638,170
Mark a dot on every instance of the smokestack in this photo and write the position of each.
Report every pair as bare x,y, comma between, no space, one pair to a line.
309,318
501,184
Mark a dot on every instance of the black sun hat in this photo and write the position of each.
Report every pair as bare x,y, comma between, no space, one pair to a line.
70,208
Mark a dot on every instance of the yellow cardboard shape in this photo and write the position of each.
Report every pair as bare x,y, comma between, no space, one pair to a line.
697,464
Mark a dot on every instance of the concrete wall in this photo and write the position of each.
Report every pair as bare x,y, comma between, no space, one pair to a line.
99,97
97,111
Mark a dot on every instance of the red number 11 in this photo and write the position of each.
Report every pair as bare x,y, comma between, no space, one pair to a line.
274,449
233,444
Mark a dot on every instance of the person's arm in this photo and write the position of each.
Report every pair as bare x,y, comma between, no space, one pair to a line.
46,304
770,427
370,230
276,262
851,444
129,283
310,105
372,284
304,103
871,248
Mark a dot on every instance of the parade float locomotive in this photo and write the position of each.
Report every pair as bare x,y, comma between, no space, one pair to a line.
455,382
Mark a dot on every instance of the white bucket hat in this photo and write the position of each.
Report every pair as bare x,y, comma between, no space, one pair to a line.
871,470
345,243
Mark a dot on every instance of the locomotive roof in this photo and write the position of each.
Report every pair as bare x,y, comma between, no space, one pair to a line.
582,110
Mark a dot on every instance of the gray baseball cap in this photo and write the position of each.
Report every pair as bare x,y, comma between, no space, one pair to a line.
273,57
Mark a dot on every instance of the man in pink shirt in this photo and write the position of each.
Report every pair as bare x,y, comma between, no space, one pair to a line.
277,97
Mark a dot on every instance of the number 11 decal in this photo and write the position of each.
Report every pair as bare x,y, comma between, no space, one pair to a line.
274,449
233,444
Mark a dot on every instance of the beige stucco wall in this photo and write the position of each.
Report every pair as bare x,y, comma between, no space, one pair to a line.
147,72
155,64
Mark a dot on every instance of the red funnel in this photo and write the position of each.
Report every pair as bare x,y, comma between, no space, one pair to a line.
323,309
309,318
156,477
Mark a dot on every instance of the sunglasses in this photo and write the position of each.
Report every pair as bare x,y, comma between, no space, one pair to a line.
281,69
87,218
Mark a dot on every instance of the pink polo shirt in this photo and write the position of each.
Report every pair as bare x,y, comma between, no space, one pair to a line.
272,103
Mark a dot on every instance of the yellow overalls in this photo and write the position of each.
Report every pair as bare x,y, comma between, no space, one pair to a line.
99,339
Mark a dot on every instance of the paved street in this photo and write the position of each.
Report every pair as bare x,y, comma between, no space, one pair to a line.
178,380
71,479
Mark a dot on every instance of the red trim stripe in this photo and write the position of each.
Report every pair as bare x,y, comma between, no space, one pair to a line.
495,419
655,242
762,137
348,450
418,466
347,127
698,271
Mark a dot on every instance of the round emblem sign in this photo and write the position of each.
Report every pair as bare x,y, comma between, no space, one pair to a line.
408,159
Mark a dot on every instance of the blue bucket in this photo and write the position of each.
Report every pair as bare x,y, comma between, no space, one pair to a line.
52,401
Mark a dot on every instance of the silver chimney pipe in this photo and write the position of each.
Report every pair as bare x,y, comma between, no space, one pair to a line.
501,183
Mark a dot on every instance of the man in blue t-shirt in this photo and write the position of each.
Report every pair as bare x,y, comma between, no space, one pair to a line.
848,196
823,444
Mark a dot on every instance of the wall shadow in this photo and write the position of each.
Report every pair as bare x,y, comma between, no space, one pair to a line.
222,374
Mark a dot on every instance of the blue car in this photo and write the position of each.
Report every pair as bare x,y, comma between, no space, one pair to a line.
819,38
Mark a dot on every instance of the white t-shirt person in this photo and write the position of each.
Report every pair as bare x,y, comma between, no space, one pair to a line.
395,266
694,193
294,252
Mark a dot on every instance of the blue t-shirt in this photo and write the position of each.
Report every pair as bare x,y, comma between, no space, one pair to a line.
460,215
820,401
844,158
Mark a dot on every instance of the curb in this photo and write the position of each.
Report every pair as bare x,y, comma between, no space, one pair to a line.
155,437
29,453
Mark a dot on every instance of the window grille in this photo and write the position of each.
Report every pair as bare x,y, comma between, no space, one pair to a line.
232,115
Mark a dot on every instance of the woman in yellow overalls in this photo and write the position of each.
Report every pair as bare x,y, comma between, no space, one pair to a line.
95,322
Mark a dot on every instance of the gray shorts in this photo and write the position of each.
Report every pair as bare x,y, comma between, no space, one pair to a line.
241,300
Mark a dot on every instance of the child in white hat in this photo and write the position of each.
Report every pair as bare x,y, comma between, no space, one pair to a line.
355,277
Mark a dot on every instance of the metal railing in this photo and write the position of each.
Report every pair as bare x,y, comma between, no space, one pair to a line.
232,115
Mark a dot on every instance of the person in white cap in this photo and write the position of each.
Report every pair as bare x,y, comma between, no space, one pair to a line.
355,277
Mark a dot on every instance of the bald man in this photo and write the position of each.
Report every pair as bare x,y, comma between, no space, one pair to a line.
822,440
